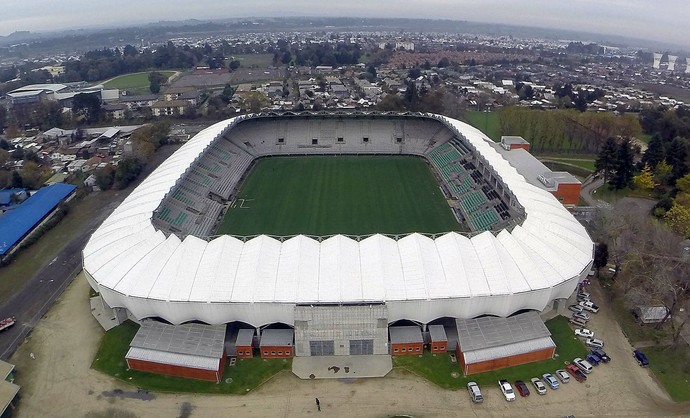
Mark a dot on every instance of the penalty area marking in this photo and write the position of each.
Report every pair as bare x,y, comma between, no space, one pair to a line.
241,203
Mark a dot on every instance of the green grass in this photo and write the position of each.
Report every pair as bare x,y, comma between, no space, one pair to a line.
254,60
632,329
612,196
135,82
340,194
671,365
247,374
487,122
438,368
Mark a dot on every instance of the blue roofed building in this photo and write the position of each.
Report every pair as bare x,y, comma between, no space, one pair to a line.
16,224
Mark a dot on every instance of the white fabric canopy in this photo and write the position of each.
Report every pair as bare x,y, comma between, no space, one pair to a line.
258,281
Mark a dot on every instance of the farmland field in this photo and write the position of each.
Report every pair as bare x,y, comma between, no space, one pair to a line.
339,194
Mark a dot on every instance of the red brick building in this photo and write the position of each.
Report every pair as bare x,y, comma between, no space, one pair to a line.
244,344
194,351
491,343
406,340
277,343
438,339
514,142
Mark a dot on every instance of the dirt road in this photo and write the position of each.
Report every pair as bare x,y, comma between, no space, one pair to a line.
59,383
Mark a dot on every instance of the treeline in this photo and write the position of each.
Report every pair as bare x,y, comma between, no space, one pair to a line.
312,55
566,130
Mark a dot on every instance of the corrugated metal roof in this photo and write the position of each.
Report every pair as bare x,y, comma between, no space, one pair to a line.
489,331
522,347
277,337
437,333
191,339
175,359
245,337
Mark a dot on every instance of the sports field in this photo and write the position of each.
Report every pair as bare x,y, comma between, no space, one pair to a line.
326,195
136,82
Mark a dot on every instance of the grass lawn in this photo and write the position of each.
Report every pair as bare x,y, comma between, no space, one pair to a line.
438,368
344,194
247,374
254,60
135,82
487,122
671,365
606,194
632,329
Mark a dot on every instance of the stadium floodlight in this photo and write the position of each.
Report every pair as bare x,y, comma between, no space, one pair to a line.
657,60
672,62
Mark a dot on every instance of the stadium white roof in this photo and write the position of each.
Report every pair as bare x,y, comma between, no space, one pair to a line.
135,266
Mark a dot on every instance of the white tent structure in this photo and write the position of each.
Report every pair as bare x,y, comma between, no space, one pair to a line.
260,281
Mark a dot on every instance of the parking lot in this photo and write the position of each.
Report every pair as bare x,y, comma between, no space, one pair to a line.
59,383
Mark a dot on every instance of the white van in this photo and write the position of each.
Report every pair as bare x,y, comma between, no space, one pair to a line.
583,365
475,392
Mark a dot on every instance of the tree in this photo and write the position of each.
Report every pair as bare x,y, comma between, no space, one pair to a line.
17,181
234,64
31,175
662,172
127,171
601,255
676,156
228,92
678,219
624,165
654,153
644,180
105,177
606,160
156,80
87,106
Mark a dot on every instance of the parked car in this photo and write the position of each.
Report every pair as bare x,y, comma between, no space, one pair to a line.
593,359
594,343
538,385
507,390
562,376
576,308
551,381
601,354
576,373
475,392
583,365
589,306
522,388
582,315
584,332
583,296
641,358
579,322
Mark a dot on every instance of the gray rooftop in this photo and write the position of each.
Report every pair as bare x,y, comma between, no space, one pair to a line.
402,335
531,169
244,337
192,339
277,337
487,332
510,139
437,333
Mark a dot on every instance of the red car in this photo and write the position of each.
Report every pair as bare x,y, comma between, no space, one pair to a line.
522,388
576,373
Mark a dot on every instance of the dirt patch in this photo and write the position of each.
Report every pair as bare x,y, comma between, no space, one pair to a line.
59,383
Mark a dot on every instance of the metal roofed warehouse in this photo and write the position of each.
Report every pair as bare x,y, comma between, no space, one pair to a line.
153,269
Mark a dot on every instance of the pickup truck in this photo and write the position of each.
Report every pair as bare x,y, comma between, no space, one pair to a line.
589,306
576,372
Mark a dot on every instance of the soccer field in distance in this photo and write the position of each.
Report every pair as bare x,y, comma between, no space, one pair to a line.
325,195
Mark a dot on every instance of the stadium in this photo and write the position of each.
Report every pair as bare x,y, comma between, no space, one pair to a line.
501,246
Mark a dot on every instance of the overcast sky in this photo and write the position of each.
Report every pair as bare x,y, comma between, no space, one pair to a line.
662,20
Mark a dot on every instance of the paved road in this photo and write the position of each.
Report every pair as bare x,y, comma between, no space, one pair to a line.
590,185
39,293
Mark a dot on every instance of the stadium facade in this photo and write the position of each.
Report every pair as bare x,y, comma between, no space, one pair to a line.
156,255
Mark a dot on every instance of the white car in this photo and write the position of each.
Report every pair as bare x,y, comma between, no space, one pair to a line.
583,365
563,376
584,332
594,343
576,308
539,385
581,315
589,306
507,390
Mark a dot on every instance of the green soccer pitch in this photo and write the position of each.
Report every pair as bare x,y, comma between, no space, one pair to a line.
325,195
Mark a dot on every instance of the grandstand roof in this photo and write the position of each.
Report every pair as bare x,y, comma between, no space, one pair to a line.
18,222
138,267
